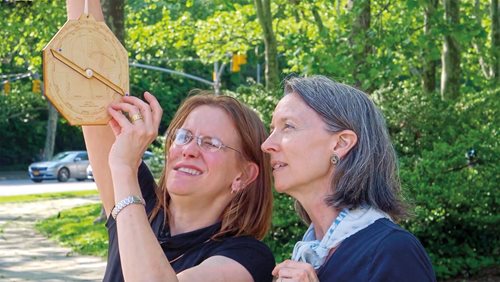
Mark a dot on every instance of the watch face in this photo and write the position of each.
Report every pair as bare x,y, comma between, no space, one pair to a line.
82,52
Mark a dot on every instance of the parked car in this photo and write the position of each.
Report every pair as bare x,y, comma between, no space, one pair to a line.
147,157
63,166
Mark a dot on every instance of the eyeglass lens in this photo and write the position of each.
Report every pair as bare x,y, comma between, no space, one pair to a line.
184,136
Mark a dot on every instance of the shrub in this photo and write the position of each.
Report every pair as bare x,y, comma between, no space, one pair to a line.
449,171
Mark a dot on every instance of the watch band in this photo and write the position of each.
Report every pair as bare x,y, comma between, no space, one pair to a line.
130,200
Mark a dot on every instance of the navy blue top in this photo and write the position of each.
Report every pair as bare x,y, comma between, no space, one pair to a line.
192,248
382,251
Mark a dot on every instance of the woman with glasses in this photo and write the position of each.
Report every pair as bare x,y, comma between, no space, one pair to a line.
330,150
205,217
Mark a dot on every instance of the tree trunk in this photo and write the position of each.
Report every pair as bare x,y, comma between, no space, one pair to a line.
115,17
495,40
359,41
263,8
50,138
486,67
430,63
450,57
324,33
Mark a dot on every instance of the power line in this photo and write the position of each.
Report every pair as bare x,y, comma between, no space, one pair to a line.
172,72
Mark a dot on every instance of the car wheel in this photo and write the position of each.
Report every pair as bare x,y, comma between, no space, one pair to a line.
36,180
63,175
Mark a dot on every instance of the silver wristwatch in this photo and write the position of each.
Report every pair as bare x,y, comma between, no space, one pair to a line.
130,200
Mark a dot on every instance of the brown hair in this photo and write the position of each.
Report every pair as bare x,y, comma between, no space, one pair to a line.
249,212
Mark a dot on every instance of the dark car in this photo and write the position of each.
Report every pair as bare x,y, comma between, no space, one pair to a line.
63,166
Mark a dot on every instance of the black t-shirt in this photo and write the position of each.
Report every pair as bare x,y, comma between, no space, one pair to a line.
190,249
382,251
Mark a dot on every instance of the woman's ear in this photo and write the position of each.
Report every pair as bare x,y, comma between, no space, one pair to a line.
346,140
250,171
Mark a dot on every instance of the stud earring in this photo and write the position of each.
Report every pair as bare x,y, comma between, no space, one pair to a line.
235,187
334,159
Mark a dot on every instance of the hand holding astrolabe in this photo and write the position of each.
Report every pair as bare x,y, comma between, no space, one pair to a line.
85,69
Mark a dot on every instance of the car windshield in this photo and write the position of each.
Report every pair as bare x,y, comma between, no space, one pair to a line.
60,156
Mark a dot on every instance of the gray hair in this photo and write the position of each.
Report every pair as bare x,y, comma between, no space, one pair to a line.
368,174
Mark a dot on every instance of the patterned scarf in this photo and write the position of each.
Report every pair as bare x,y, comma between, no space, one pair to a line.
347,223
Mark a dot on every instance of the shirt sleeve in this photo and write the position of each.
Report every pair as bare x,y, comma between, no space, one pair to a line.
254,255
401,257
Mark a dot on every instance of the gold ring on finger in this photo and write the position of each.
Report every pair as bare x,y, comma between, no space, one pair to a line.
135,117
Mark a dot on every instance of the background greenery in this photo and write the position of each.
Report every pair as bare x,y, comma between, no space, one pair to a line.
396,58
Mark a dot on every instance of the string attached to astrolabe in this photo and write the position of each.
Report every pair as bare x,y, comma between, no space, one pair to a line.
86,8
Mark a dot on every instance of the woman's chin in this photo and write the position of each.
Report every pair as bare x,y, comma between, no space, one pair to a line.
280,188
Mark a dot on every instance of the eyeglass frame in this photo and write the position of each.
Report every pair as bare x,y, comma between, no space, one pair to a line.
199,141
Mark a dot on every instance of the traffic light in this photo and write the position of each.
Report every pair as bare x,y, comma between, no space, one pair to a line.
6,88
237,60
36,86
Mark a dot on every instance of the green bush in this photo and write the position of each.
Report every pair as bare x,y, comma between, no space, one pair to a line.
455,198
286,228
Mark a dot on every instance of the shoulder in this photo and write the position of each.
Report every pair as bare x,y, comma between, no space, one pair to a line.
396,239
398,253
383,251
251,253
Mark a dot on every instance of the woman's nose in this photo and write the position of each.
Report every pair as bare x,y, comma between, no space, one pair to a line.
191,149
269,145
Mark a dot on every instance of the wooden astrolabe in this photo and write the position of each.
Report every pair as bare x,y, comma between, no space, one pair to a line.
85,68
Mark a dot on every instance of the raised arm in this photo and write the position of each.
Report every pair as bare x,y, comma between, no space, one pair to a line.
98,139
75,8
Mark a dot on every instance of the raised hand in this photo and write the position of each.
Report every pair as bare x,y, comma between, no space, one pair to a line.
133,133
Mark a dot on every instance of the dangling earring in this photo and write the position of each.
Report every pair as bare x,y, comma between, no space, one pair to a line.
334,159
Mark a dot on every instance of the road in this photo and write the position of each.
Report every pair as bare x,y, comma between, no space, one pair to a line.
13,187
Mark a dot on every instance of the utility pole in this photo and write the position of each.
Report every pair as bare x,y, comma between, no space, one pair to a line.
217,74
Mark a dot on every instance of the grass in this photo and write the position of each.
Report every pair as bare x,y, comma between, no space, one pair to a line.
75,228
46,196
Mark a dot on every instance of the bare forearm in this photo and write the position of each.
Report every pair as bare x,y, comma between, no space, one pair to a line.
75,9
98,140
141,255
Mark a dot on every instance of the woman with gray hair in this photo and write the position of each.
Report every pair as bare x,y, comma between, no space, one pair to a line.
330,150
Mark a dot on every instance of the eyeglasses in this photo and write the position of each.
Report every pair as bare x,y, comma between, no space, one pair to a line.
210,144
